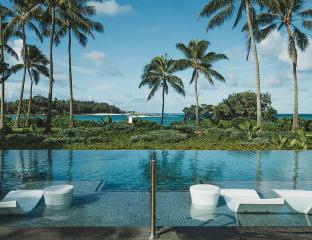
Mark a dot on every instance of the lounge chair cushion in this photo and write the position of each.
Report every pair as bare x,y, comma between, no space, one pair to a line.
248,200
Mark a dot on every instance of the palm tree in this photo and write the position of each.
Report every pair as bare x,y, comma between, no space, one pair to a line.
49,19
24,12
220,11
75,19
198,59
286,14
159,73
36,65
4,47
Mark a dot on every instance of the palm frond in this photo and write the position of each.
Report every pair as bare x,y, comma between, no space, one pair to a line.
301,38
10,51
219,19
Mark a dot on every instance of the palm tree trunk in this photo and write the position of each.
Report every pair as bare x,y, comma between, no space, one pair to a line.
2,107
295,126
197,100
294,57
49,110
163,107
256,60
29,100
2,104
20,103
71,98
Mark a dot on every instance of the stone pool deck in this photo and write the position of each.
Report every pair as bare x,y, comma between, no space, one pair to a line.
179,233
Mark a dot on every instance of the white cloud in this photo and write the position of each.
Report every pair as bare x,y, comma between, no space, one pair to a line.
17,45
275,46
275,81
97,57
112,8
60,77
232,80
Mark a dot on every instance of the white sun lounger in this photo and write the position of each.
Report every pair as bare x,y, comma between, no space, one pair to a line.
248,201
20,201
299,200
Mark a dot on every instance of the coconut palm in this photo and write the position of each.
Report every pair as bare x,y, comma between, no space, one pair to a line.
287,14
75,19
198,59
49,20
5,13
36,65
24,13
159,74
220,11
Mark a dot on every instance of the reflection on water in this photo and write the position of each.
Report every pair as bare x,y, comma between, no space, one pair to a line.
176,170
296,169
204,214
258,171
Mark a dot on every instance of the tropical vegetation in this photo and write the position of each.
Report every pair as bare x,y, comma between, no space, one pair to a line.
219,12
61,107
53,19
159,74
288,14
75,19
244,120
36,64
200,61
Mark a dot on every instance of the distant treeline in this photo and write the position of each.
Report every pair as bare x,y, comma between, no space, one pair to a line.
40,105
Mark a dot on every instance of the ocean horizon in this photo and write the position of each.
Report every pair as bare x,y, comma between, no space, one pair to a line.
155,117
169,118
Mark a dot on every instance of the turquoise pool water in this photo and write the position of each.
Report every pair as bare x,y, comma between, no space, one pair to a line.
129,170
111,187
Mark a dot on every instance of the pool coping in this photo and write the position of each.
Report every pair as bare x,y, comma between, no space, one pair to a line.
169,233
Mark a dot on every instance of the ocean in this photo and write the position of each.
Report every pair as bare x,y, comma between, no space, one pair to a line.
168,118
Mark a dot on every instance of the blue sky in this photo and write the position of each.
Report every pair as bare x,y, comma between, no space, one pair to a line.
109,69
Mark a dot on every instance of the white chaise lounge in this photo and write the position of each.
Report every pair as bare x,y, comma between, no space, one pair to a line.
248,201
20,201
299,200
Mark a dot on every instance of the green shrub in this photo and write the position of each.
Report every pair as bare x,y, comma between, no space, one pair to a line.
39,122
224,124
6,130
207,123
237,121
163,136
308,126
27,139
140,123
230,134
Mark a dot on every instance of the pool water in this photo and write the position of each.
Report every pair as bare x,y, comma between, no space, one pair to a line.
111,187
129,170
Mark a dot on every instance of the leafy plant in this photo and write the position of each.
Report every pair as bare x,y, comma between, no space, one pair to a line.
301,141
249,129
280,142
105,121
108,120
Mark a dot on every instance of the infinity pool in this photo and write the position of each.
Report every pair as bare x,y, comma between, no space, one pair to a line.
129,170
111,187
